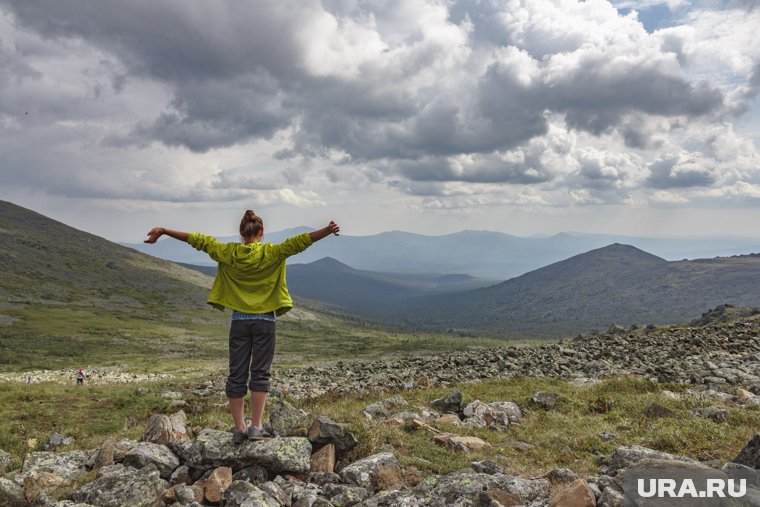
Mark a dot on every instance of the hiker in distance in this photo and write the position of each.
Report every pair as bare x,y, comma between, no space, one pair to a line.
250,280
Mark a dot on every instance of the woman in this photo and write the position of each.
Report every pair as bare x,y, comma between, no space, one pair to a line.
250,280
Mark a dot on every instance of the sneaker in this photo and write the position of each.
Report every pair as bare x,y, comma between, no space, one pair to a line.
255,433
238,436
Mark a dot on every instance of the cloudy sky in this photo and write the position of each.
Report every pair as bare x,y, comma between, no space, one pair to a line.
529,117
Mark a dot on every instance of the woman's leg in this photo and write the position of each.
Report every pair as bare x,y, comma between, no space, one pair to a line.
240,359
261,360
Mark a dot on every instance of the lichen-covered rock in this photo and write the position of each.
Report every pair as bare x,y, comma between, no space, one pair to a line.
146,453
120,485
211,449
365,472
6,460
69,465
163,429
342,495
245,494
284,418
184,494
623,457
41,482
452,403
381,409
275,491
468,484
57,440
394,498
484,415
254,474
750,455
545,400
326,431
280,454
11,494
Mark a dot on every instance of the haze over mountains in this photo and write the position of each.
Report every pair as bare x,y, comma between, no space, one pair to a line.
493,255
81,279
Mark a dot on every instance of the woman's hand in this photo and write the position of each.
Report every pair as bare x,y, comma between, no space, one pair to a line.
333,228
154,234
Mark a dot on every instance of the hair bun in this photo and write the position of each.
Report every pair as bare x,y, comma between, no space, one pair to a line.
249,214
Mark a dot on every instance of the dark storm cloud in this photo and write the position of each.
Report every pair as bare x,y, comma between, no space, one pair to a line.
670,173
478,84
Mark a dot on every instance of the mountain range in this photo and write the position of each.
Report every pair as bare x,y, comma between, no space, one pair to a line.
485,254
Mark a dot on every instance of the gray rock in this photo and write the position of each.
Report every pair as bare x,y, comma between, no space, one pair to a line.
280,454
484,415
394,498
69,503
326,431
452,402
341,495
6,460
381,409
254,474
750,455
275,491
561,476
611,498
212,449
11,494
486,467
245,494
545,400
625,456
69,465
657,411
184,494
120,485
322,478
715,414
468,484
510,408
57,440
364,472
145,453
285,418
181,475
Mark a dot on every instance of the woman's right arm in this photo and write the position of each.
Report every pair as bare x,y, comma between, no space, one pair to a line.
157,232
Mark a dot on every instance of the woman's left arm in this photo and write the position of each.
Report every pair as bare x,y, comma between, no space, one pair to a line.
157,232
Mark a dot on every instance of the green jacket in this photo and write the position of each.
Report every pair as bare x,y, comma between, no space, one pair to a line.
250,278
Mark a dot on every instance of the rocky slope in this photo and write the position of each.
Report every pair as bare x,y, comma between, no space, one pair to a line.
714,354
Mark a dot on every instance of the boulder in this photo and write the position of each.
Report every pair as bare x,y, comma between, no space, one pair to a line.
342,495
574,494
382,409
326,431
467,484
545,400
285,418
146,453
254,474
41,482
11,494
323,460
657,411
483,415
750,455
216,484
163,429
6,460
57,440
120,485
275,491
245,494
626,456
211,449
451,403
366,472
459,443
280,454
69,465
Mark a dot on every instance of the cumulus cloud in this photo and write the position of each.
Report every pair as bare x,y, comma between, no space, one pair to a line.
462,103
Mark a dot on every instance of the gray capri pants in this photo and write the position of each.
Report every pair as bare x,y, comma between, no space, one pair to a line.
251,353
